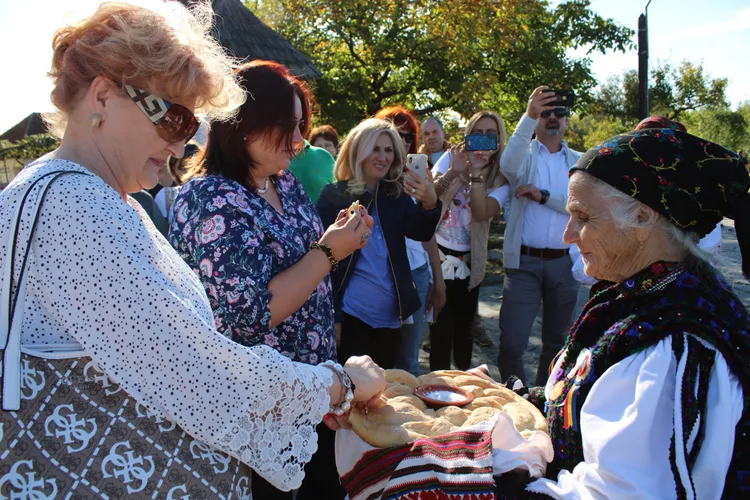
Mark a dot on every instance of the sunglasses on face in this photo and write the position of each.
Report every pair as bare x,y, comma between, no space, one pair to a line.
174,123
559,112
408,136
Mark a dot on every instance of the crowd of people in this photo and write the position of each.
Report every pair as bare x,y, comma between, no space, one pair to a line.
211,336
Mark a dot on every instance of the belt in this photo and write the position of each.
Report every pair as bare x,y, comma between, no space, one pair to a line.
545,253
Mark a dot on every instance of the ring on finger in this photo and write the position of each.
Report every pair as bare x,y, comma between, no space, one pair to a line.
364,238
413,190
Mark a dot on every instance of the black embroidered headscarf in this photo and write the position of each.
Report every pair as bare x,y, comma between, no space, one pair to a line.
692,182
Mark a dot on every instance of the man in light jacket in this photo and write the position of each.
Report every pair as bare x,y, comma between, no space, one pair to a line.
537,262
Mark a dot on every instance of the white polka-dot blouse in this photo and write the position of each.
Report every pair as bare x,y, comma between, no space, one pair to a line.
102,282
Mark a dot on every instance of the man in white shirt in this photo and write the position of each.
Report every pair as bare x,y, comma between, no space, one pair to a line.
537,262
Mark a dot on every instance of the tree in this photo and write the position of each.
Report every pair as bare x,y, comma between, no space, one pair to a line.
729,128
585,132
433,55
672,92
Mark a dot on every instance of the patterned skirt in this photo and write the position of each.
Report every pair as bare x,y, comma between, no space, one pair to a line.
79,435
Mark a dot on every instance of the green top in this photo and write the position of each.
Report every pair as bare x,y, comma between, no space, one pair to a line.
313,167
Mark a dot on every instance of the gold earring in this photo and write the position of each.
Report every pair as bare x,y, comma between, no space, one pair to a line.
96,120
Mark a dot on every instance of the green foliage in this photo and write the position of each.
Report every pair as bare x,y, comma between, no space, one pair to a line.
672,92
729,128
433,55
28,148
585,132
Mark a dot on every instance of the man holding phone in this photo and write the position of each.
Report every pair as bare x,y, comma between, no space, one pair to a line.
538,266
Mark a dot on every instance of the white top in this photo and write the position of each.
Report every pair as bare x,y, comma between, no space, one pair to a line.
712,242
454,230
543,227
164,199
626,425
434,157
416,253
102,282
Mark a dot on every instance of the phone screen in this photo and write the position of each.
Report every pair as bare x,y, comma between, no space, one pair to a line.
481,142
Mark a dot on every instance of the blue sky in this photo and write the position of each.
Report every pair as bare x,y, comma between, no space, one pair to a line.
716,33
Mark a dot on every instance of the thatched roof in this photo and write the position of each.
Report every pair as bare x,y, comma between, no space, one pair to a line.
248,38
31,125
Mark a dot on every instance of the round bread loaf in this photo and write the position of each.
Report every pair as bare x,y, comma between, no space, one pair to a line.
405,418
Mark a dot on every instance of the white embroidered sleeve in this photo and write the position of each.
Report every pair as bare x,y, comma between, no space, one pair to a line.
626,426
99,276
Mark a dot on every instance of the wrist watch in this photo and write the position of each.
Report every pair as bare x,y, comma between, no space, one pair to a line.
545,196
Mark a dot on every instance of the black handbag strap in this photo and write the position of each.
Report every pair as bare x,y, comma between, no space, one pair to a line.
10,364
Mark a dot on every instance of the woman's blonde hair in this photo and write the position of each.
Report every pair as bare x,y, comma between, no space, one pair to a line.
493,177
165,49
358,145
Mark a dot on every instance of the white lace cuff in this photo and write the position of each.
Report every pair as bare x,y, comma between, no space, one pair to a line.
277,436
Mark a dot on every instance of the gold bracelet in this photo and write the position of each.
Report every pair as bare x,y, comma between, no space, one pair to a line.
478,179
326,250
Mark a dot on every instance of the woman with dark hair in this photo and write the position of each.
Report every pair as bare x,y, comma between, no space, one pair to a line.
325,137
424,258
244,224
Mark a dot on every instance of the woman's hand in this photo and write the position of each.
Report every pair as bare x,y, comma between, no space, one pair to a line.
348,234
459,159
436,300
423,190
368,379
478,160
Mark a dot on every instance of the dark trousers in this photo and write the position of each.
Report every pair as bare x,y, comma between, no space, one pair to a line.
451,332
321,478
536,282
359,339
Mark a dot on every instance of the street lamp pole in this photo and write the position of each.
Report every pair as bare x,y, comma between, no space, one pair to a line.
643,106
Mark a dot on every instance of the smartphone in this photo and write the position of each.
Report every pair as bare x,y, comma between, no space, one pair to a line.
417,165
566,98
481,142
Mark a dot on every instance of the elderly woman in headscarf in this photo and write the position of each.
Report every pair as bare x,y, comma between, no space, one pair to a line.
650,397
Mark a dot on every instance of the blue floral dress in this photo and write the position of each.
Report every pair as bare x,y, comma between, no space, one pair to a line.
236,242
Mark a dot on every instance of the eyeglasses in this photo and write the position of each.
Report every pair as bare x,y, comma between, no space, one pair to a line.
174,123
408,136
559,112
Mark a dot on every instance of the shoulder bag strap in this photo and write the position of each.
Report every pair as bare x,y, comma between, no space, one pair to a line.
10,325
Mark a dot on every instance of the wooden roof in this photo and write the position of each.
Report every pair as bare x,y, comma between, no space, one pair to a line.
247,37
31,125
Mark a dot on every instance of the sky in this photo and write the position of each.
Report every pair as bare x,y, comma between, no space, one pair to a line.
715,33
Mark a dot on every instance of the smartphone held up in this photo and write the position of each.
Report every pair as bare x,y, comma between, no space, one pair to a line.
417,165
481,142
563,98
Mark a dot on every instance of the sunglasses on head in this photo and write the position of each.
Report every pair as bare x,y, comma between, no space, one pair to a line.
559,112
174,123
408,136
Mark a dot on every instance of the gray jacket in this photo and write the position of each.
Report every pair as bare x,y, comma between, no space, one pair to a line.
519,164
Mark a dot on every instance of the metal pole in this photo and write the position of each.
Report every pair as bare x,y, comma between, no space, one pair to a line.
643,104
